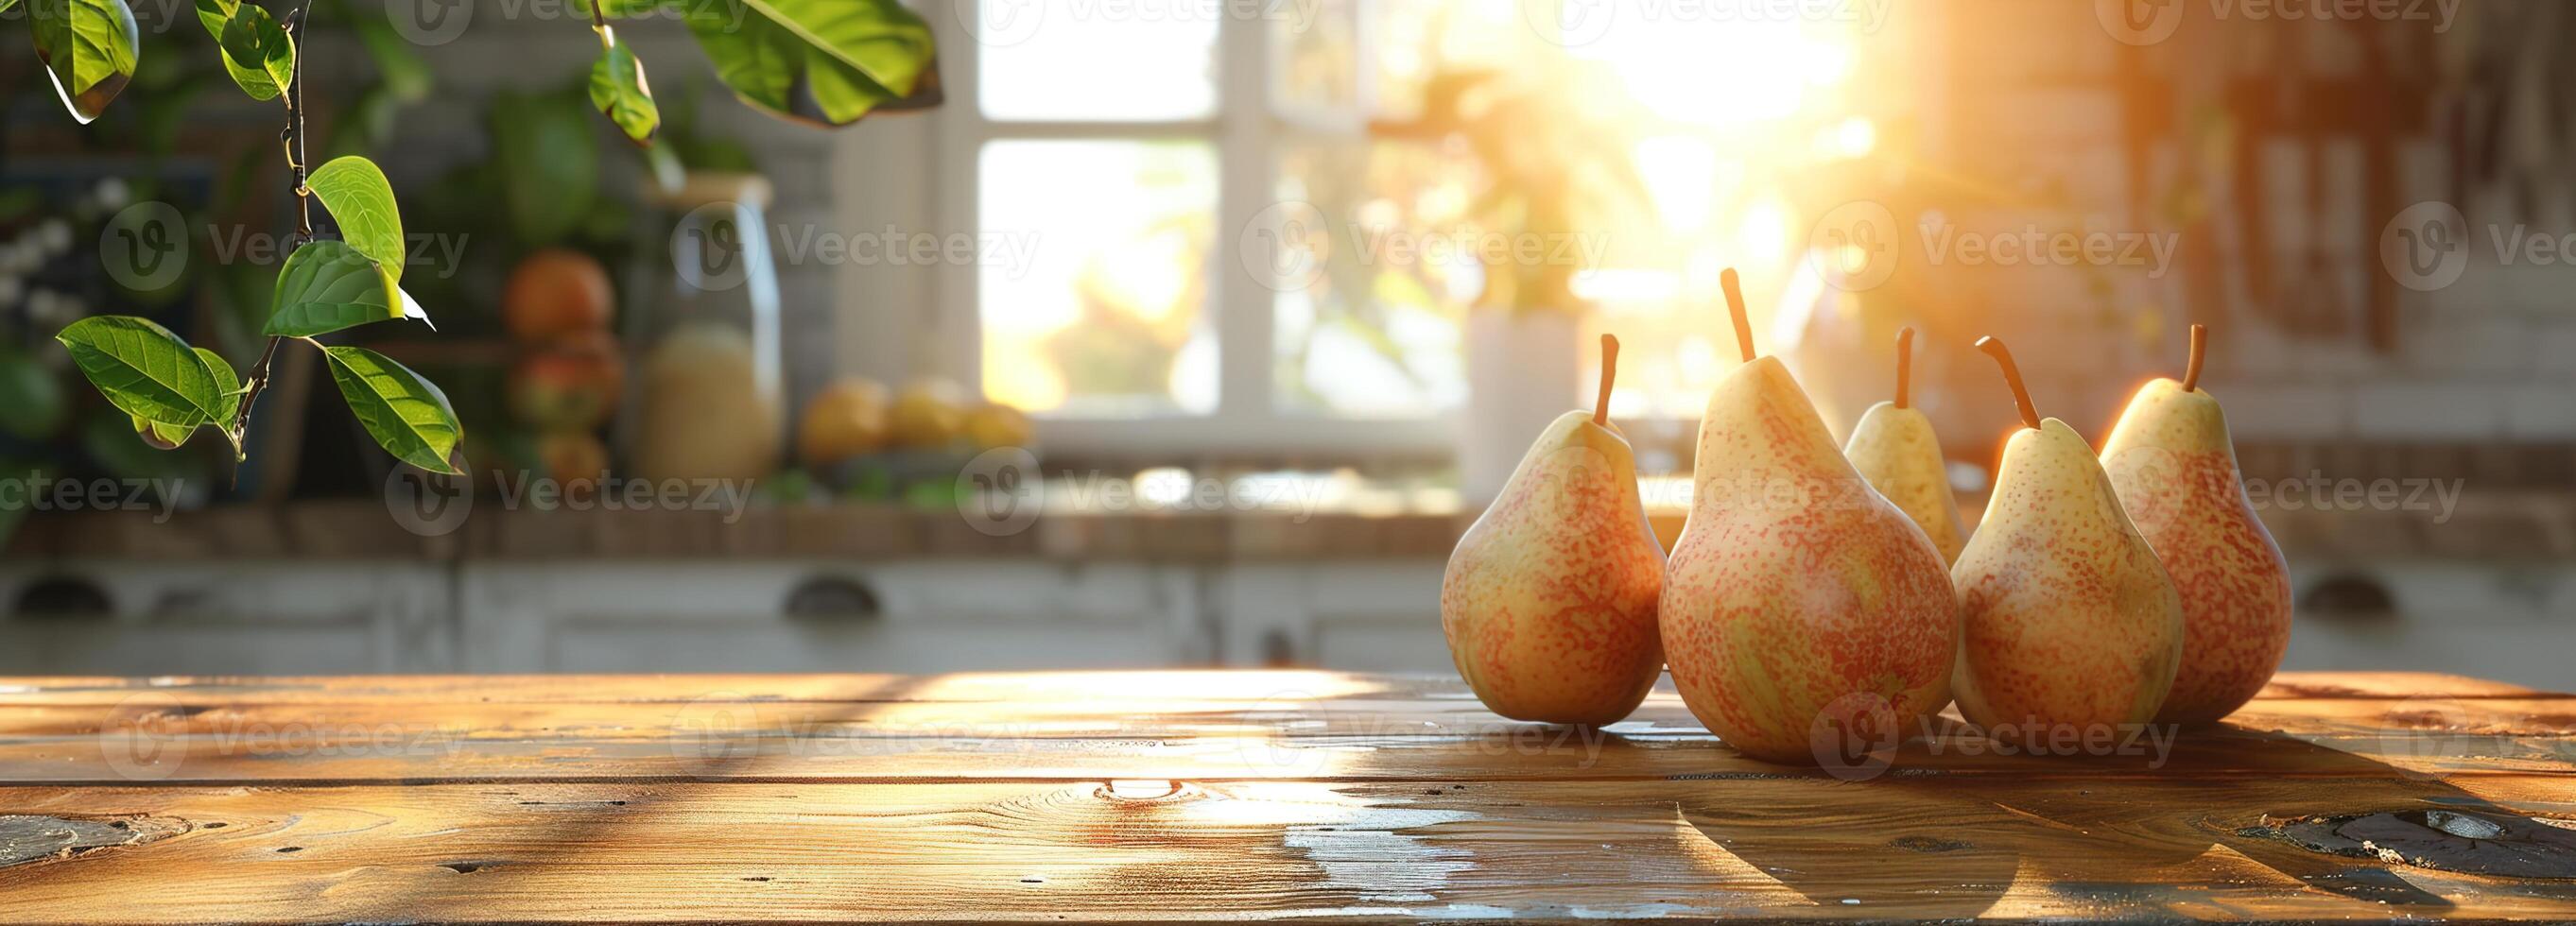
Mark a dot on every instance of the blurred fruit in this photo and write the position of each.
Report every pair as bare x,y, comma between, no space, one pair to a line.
929,414
556,292
705,415
994,424
570,384
573,458
846,419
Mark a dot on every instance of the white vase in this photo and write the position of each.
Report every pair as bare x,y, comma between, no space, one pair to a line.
1522,372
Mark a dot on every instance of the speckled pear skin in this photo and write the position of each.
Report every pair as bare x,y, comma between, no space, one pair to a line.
1794,586
1897,451
1549,599
2174,466
2070,619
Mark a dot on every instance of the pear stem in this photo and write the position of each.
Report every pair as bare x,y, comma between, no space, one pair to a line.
1735,306
1609,372
2199,347
2012,377
1904,366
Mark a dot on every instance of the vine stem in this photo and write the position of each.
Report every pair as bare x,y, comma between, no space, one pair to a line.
293,140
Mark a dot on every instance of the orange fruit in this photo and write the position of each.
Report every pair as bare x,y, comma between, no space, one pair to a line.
556,292
570,384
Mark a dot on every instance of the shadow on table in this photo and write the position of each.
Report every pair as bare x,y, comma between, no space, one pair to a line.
1943,838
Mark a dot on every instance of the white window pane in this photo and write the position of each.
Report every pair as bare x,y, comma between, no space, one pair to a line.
1378,282
1103,310
1315,58
1073,60
1373,57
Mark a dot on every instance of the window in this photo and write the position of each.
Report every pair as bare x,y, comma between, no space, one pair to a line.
1231,250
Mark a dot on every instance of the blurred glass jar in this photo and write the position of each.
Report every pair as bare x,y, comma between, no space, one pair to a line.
709,392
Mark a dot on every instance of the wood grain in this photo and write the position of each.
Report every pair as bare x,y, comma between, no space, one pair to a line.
1220,795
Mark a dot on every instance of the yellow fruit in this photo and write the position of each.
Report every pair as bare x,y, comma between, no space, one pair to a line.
928,414
846,419
994,425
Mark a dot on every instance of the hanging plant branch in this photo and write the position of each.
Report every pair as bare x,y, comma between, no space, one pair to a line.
798,58
293,140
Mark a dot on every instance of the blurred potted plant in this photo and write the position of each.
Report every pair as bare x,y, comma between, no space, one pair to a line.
1555,142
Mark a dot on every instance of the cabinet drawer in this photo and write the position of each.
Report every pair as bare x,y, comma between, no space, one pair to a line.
141,618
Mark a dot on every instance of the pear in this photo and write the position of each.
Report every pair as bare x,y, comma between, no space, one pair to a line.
1895,449
1549,599
2072,625
1801,610
2174,467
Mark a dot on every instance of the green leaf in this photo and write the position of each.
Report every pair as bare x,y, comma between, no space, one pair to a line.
621,9
7,5
618,89
548,161
755,57
160,436
257,51
843,93
89,48
406,414
213,14
231,387
889,44
852,55
327,286
143,369
360,200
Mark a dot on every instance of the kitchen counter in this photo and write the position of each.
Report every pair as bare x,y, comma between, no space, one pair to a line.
1232,795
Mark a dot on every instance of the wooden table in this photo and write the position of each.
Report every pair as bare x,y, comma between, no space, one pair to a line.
1231,795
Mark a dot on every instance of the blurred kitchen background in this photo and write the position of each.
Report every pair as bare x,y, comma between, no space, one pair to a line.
1174,333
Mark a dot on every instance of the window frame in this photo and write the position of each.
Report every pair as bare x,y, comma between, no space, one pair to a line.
1246,131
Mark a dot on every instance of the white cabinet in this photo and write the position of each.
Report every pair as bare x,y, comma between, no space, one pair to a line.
910,617
1359,615
138,617
154,618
